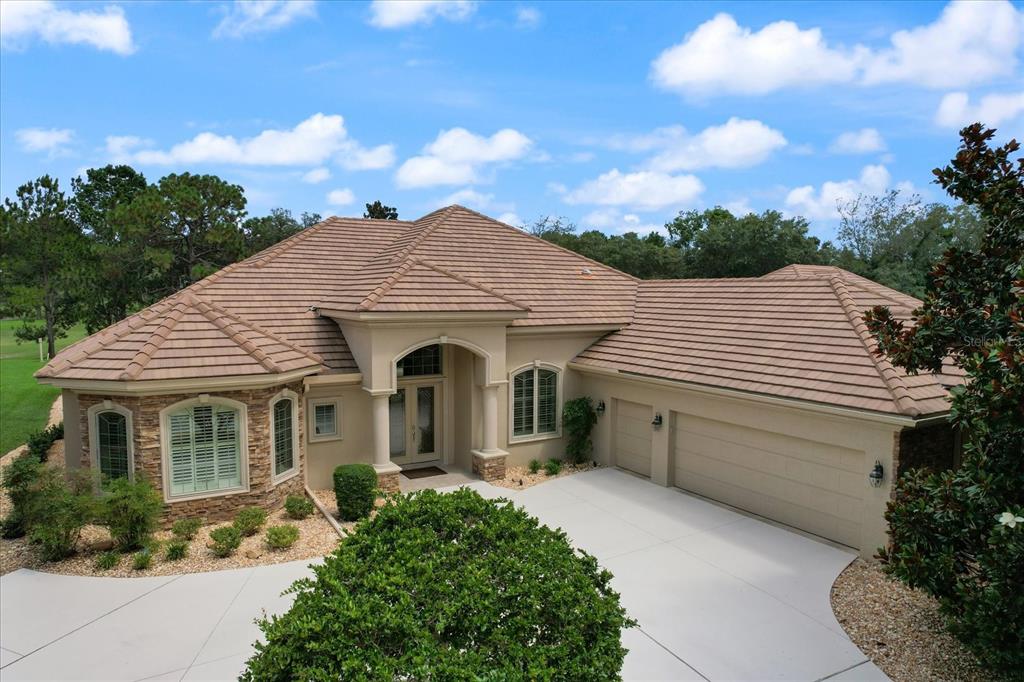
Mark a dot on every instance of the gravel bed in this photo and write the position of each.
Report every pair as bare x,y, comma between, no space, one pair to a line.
520,478
900,628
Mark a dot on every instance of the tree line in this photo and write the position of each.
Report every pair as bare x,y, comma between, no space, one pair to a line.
890,238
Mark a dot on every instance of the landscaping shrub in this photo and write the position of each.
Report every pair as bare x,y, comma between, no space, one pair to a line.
58,512
131,511
226,540
20,480
298,506
186,529
534,466
282,537
107,561
956,534
552,467
355,488
176,550
248,521
39,443
448,587
142,560
578,419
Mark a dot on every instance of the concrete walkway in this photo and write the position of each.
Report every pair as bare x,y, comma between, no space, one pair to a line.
718,595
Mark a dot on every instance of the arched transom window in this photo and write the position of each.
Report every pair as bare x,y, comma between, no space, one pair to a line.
534,402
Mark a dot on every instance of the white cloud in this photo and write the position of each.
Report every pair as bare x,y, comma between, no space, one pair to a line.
512,219
956,109
20,22
614,221
246,17
738,143
312,142
864,141
317,175
457,157
722,57
821,203
740,207
528,17
480,201
402,13
971,42
53,141
340,197
642,190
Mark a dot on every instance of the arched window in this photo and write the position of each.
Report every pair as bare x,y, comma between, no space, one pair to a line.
112,443
204,442
284,435
535,398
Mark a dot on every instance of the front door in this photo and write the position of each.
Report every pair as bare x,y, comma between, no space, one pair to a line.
415,418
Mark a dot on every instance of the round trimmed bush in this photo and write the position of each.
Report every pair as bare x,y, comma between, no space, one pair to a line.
249,520
225,540
355,488
448,587
282,537
298,506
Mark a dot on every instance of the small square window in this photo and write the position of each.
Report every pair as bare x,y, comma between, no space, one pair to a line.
323,420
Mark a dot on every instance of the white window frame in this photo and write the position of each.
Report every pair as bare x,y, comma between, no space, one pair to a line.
94,435
534,366
243,447
311,434
275,477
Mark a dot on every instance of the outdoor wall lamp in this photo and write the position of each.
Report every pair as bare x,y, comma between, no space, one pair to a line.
600,408
656,422
875,477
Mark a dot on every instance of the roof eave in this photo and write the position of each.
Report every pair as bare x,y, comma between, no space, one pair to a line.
186,385
418,316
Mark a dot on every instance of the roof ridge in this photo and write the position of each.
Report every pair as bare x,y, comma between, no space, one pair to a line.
229,328
470,282
239,320
545,241
892,380
378,292
407,250
145,354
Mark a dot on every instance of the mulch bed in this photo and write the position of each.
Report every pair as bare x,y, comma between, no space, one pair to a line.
900,628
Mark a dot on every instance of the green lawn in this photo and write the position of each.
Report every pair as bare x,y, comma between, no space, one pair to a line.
24,404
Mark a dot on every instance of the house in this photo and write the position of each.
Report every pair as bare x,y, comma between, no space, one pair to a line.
456,339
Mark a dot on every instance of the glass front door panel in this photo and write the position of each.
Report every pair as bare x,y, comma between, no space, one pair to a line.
425,419
396,424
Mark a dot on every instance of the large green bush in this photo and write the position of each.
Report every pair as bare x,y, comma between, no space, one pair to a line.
19,480
954,533
448,587
355,489
58,511
130,511
578,419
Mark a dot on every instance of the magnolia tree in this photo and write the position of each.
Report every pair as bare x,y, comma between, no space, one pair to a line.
960,534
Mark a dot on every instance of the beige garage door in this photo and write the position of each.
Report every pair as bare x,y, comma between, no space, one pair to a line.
812,486
633,437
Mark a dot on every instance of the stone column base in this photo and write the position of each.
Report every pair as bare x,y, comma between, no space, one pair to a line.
490,466
387,477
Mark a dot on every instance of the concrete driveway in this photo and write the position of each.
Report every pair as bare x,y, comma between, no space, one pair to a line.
718,596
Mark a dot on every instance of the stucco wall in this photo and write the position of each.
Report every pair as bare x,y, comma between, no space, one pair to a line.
148,456
874,441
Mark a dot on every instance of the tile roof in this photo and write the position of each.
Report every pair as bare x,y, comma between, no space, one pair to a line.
794,334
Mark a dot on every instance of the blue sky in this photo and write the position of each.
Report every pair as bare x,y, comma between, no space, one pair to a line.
616,116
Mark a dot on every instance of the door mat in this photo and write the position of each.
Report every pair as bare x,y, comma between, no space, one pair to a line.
425,472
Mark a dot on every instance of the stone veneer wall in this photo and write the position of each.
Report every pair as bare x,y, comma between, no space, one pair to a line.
148,456
934,448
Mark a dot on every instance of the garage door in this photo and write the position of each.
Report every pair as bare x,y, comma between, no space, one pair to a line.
633,437
812,486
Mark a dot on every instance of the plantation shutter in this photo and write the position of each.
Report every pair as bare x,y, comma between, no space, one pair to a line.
547,399
204,449
284,457
522,403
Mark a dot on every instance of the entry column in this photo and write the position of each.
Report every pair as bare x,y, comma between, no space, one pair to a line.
489,461
387,471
